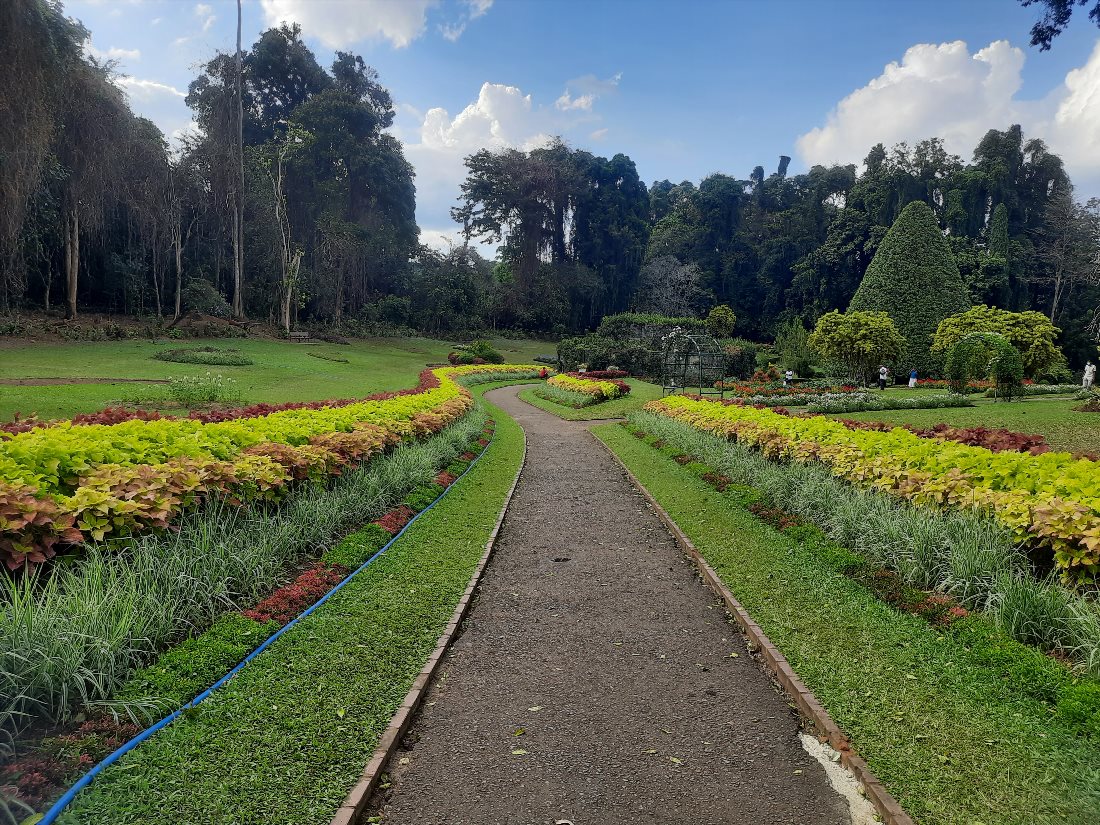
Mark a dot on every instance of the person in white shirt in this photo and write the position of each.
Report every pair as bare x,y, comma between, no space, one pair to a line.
882,375
788,376
1090,375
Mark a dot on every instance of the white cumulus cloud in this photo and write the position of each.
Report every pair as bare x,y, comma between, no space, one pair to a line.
339,25
436,143
944,90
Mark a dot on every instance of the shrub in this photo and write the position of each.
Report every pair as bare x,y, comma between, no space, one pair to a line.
196,390
721,321
599,352
740,357
1049,501
484,350
1031,333
200,296
857,340
985,355
915,280
210,356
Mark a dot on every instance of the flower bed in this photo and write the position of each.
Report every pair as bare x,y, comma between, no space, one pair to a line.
66,484
868,402
598,389
1050,500
995,440
768,389
177,675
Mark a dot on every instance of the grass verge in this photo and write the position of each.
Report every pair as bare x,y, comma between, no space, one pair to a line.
286,739
640,393
951,740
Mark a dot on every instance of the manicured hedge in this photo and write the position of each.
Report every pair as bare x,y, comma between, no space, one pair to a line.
914,279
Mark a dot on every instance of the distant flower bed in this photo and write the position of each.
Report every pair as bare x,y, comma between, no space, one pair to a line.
598,388
868,402
752,390
65,484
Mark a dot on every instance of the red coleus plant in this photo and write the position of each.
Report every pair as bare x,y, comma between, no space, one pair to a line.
396,519
290,600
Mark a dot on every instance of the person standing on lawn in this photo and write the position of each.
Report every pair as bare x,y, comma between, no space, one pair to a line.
1090,375
882,375
913,380
788,376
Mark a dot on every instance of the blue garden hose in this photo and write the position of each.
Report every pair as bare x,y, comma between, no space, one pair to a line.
55,811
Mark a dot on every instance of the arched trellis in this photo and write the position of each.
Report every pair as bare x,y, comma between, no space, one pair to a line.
986,355
692,362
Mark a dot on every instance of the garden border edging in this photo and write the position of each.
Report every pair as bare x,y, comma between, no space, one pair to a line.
776,664
359,796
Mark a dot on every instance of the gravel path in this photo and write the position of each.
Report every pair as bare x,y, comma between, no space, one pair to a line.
593,682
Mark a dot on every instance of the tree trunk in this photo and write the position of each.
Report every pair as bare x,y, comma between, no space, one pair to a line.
178,243
72,261
238,303
238,245
289,282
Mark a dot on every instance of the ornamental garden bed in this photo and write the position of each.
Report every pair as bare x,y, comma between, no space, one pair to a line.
583,389
221,536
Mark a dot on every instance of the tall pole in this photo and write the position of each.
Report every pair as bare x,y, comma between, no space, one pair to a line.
238,221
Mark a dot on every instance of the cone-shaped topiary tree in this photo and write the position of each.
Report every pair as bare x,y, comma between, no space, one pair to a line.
914,279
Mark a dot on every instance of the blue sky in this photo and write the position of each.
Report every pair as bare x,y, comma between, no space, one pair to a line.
685,88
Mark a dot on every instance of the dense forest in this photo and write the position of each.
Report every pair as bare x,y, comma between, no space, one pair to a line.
293,204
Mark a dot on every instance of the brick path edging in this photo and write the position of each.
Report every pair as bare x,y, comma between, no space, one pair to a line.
776,664
356,801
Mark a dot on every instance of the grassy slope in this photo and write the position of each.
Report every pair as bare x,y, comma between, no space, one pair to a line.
282,371
947,740
1054,417
288,737
640,393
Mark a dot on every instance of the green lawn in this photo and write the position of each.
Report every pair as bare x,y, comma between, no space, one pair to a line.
1051,416
281,371
287,738
946,734
640,393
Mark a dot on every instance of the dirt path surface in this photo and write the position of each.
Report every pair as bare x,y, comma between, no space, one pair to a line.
49,382
593,683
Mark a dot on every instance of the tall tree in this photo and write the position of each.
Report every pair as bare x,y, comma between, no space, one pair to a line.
914,279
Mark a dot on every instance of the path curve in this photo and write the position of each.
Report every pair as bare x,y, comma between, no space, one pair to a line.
593,681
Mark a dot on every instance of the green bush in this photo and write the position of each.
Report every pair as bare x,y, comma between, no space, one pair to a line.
641,324
200,296
599,352
422,495
915,280
357,547
721,321
740,357
186,670
484,350
209,356
985,355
